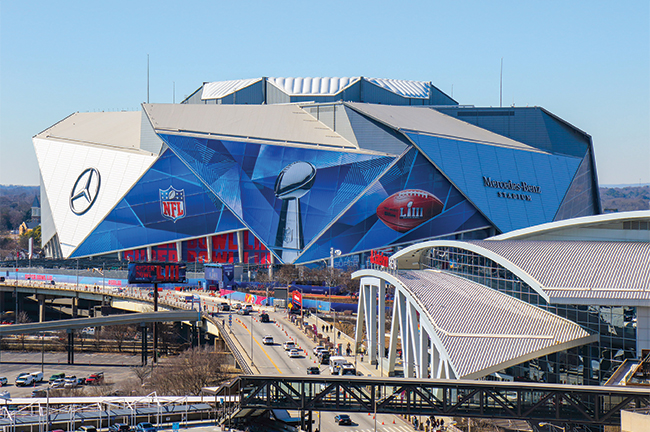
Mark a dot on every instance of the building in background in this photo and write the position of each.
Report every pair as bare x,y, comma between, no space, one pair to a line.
284,170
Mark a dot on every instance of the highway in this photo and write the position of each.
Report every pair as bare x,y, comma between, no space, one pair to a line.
273,359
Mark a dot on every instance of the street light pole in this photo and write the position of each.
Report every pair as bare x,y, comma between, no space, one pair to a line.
252,361
542,424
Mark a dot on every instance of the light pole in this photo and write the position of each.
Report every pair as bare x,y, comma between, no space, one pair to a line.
542,424
333,253
252,361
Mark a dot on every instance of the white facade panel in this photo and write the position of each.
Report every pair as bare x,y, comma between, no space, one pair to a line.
64,168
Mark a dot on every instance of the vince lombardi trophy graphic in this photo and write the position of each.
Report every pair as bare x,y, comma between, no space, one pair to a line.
293,182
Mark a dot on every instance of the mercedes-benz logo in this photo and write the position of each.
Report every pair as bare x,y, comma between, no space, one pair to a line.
85,191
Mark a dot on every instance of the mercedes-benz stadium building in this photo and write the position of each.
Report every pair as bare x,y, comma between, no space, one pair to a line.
284,170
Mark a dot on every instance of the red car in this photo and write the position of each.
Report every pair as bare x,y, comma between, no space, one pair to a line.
95,378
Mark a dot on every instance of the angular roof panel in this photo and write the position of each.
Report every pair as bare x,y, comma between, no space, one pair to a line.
411,89
284,124
503,331
219,89
423,119
313,86
114,129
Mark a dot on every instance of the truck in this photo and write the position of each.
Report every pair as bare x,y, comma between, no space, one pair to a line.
335,364
38,376
347,369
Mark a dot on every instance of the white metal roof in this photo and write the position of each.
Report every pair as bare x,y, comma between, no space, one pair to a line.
411,89
115,129
219,89
607,226
313,86
282,123
560,271
579,264
423,119
484,330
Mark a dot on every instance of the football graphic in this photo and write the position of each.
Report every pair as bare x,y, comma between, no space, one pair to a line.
407,209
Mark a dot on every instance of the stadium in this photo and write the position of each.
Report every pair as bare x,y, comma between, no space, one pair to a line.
285,170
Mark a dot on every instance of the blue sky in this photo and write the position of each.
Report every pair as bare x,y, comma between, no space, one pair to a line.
587,62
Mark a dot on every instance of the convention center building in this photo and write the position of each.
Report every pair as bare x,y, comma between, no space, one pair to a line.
287,170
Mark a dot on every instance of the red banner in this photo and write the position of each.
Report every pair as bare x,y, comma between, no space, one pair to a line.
297,297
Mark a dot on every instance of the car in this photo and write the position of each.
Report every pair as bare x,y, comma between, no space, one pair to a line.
95,378
38,376
119,427
313,370
72,382
264,317
318,349
57,376
145,427
294,353
343,419
39,393
59,383
224,307
87,429
268,340
3,381
24,379
289,345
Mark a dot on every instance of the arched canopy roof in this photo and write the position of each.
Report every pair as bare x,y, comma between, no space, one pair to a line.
559,268
482,330
610,226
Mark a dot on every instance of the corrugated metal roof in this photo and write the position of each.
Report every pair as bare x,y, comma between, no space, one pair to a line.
283,123
482,328
411,89
313,86
219,89
117,129
422,119
579,264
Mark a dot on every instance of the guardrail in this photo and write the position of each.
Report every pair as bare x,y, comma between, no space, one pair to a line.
231,345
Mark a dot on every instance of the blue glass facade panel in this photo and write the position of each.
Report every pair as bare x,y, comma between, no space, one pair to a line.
146,215
361,228
244,175
509,206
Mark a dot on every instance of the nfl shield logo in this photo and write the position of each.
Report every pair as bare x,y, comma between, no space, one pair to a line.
172,203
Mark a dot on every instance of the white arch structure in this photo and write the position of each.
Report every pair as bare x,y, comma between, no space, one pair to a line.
452,328
408,323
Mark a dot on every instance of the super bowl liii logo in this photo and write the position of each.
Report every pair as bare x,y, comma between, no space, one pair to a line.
172,203
516,188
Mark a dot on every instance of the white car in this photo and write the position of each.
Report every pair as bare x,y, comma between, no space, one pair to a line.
289,345
59,383
24,379
38,376
294,353
267,340
318,349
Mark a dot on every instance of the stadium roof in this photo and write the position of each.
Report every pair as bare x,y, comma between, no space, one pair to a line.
561,271
423,119
114,129
317,86
483,330
281,124
609,226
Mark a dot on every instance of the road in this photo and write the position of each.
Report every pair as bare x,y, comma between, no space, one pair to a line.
273,359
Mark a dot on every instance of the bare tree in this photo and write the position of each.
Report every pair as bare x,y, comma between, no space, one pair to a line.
189,372
120,333
22,318
142,373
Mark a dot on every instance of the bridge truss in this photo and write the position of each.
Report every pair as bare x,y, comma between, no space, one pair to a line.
561,404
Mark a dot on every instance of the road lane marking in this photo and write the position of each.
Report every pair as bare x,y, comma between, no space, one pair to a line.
258,344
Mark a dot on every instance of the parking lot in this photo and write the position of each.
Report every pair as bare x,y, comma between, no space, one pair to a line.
116,368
